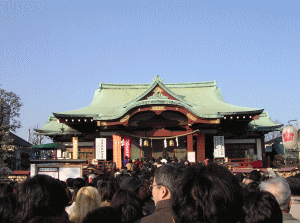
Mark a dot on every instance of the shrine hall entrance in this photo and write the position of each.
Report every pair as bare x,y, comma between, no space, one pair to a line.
158,149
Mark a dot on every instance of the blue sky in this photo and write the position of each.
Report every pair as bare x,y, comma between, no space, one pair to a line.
53,54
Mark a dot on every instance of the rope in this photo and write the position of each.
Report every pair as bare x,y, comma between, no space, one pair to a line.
168,137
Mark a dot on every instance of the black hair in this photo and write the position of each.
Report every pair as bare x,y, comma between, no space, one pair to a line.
144,192
41,219
106,191
63,184
297,175
78,183
40,195
240,177
261,207
5,188
123,195
207,194
255,175
106,214
7,208
130,211
294,183
128,205
69,182
253,186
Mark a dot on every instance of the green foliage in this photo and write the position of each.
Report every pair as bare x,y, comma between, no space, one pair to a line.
10,105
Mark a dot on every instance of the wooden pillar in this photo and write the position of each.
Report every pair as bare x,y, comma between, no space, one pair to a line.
263,152
200,146
75,148
189,141
117,151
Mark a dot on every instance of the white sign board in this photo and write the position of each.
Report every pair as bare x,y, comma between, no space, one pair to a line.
101,148
191,157
61,172
69,172
219,147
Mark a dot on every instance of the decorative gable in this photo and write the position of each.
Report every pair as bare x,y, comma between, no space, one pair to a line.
158,93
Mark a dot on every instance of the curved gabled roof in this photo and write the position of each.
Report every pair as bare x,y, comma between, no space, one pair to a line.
264,123
203,99
52,127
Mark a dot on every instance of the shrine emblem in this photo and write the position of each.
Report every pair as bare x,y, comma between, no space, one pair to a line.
288,136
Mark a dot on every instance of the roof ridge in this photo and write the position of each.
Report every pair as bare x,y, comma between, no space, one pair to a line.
139,86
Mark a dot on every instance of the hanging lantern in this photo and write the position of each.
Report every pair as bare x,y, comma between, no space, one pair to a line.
146,143
289,137
177,141
141,142
165,143
151,142
171,143
122,142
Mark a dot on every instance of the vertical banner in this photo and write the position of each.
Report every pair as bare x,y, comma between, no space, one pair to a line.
127,147
117,151
219,147
75,148
100,148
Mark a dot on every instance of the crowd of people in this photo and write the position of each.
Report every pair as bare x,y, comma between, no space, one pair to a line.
154,191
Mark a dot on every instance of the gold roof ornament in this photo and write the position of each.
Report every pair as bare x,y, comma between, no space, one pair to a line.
146,143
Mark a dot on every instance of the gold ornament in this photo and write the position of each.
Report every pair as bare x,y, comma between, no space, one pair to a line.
146,143
171,143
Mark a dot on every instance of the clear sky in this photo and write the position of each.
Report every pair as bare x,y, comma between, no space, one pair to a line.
54,54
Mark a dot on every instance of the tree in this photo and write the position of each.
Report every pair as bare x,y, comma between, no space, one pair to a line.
10,105
35,139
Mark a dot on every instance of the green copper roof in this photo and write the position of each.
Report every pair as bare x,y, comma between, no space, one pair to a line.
264,123
49,146
52,127
203,99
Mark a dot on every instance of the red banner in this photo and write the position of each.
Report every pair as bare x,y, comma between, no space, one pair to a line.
127,147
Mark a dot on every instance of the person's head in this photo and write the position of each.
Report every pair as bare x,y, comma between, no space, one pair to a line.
5,188
253,186
8,208
163,182
261,207
207,194
144,192
240,177
127,210
255,175
78,183
126,157
106,191
294,183
41,195
106,214
87,199
130,211
280,189
123,195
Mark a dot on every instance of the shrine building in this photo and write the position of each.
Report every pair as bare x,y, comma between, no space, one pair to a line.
158,119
